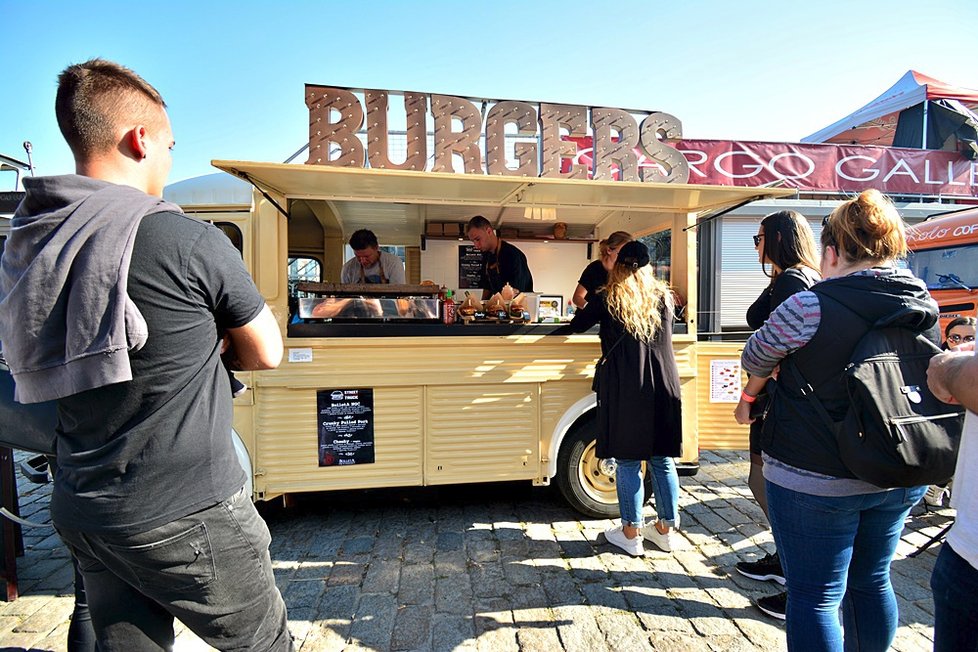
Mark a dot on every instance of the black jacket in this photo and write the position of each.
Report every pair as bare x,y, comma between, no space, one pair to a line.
794,433
639,410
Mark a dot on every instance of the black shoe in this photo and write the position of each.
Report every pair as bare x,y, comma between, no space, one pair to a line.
764,569
773,605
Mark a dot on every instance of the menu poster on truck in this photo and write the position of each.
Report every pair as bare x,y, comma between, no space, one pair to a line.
469,266
725,381
346,426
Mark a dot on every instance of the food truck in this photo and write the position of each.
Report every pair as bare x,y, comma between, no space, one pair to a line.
944,254
385,394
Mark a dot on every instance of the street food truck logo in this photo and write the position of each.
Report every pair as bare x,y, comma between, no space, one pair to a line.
547,135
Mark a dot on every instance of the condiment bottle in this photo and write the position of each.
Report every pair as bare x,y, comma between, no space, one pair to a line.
448,308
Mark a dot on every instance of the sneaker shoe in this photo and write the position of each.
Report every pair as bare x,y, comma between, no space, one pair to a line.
767,568
616,537
774,605
663,542
935,496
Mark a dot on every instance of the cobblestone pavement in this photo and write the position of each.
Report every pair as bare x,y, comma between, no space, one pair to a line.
497,567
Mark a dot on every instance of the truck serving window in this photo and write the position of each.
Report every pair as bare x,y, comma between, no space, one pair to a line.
947,268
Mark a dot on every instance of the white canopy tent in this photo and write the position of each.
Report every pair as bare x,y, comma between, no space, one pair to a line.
876,123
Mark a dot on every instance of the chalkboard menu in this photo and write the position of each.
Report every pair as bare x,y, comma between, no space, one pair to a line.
346,426
469,266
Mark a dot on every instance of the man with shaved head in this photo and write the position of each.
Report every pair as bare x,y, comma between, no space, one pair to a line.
111,303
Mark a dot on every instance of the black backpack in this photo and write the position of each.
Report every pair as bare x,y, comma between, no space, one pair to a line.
895,433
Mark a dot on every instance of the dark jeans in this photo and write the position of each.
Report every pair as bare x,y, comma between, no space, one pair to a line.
212,570
836,550
955,587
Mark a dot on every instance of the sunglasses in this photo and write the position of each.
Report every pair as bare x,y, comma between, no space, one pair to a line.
957,339
757,239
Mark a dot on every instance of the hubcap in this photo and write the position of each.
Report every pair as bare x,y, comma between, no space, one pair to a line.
597,476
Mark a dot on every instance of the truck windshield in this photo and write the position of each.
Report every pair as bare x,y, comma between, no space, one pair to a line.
946,269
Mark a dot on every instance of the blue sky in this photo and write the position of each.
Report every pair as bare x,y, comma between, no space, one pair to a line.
232,73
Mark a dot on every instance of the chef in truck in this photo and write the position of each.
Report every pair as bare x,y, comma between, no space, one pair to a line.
369,264
502,263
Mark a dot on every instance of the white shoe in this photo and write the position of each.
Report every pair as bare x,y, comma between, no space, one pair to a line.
935,495
616,537
663,542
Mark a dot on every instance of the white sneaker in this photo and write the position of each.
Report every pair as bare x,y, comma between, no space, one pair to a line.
663,542
935,495
633,547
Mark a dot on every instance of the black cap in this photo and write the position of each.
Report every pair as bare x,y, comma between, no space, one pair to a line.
633,254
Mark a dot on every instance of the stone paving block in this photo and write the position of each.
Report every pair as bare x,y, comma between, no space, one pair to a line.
622,630
417,585
345,572
47,618
412,628
303,593
382,576
578,630
520,571
537,639
676,642
373,622
495,631
453,595
452,632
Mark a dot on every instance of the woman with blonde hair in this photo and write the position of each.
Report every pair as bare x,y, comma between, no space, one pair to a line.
836,534
637,383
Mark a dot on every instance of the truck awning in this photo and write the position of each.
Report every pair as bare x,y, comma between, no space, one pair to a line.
397,204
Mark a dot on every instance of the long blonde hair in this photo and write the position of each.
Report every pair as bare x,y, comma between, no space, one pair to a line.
635,298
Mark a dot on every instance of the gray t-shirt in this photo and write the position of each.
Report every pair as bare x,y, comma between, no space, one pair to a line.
139,454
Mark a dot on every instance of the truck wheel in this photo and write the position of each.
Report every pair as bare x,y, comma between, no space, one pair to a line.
587,482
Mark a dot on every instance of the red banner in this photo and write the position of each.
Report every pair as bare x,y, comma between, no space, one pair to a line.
823,167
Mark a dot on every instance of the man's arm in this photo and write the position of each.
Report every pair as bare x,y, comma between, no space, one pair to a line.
953,377
257,344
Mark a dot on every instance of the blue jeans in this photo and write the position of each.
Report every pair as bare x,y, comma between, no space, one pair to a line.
211,569
955,587
629,482
837,551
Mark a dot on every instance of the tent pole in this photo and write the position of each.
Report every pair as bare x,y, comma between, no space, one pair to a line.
923,137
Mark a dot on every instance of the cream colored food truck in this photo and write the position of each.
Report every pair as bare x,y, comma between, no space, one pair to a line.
388,398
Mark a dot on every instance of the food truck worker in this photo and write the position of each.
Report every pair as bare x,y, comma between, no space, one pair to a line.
502,262
369,264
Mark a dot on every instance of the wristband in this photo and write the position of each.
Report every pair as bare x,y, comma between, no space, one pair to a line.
747,398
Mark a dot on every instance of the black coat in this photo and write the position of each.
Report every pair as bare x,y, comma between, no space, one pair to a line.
639,409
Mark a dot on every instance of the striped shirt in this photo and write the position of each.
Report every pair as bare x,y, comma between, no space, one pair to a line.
791,326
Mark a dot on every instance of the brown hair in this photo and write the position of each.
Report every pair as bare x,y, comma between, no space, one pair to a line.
788,242
95,97
618,238
866,229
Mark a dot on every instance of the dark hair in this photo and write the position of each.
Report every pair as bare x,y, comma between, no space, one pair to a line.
788,242
959,321
95,97
478,222
867,228
363,239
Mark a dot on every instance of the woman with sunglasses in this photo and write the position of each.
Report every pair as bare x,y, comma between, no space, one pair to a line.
959,331
786,246
836,534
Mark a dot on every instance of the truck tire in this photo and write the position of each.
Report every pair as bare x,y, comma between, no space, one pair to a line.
586,482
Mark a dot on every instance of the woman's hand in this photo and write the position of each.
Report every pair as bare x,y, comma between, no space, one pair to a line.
742,413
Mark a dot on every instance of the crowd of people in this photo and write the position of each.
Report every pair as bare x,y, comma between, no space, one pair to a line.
138,411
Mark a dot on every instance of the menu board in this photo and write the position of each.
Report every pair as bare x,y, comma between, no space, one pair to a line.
469,266
346,426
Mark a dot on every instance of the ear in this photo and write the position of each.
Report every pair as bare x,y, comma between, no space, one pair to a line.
137,141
